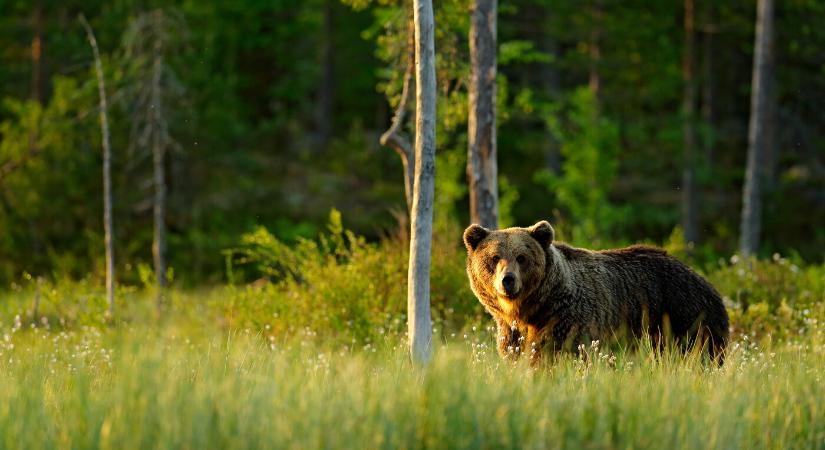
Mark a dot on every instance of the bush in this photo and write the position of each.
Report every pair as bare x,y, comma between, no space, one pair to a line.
339,289
774,298
342,286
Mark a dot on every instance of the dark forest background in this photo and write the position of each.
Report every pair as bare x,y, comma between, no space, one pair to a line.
275,108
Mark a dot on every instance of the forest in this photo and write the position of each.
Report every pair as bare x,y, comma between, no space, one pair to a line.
220,220
272,114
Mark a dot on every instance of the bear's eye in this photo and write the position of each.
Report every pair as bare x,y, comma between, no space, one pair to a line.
496,259
521,259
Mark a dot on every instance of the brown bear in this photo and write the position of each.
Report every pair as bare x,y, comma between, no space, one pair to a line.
543,293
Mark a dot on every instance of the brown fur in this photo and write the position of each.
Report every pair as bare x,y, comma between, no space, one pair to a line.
561,296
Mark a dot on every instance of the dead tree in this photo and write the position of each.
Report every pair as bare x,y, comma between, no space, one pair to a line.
326,85
761,91
107,172
482,167
690,220
159,156
709,82
418,281
151,38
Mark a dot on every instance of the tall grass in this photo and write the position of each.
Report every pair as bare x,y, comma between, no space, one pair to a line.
312,357
162,388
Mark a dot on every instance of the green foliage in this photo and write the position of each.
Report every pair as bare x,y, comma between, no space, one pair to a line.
776,298
45,205
252,151
508,195
340,285
521,51
450,187
589,145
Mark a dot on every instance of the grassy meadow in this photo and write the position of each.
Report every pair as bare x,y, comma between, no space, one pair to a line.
313,356
138,386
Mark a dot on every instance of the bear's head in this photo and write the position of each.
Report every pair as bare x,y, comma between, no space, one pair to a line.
509,264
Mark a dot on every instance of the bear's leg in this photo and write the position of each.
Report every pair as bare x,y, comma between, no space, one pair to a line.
533,345
508,340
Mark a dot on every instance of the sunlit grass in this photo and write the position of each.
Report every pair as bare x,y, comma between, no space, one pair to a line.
288,365
158,387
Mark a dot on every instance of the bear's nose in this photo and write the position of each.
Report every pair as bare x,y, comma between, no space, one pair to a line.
509,281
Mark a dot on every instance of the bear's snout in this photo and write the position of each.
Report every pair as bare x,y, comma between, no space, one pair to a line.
509,282
508,285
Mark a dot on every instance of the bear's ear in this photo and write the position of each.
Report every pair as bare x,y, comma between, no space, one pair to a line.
473,235
543,233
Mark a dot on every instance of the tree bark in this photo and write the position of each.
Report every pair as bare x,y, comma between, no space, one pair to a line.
761,89
158,158
709,83
323,111
771,148
690,220
482,167
419,325
107,172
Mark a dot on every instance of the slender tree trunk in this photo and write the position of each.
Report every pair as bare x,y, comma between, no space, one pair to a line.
709,83
482,167
690,219
418,281
761,88
158,158
771,147
107,172
323,110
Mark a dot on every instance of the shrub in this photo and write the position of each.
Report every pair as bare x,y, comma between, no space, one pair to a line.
342,286
774,298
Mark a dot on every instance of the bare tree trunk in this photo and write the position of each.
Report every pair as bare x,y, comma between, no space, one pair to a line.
761,88
419,325
394,137
708,86
771,148
107,172
323,110
482,167
690,219
158,157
